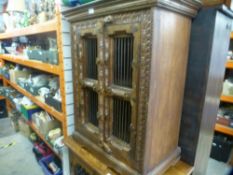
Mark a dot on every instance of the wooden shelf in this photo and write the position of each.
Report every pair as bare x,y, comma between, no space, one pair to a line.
229,64
38,133
54,69
228,99
224,129
47,108
43,138
180,168
2,98
31,30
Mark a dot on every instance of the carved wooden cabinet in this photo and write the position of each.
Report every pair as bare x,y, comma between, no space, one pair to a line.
129,65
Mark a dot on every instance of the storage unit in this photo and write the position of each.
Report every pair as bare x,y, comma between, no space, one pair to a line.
129,65
57,69
208,52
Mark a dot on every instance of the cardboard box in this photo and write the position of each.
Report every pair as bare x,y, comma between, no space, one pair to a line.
45,127
15,74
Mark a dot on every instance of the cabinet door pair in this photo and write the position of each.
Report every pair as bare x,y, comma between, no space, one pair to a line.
106,69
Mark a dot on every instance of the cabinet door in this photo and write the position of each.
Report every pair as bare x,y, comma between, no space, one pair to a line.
122,51
87,77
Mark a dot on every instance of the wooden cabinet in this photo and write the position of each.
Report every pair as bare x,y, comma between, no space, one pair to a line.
129,70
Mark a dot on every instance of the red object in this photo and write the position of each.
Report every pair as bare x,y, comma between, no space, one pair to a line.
42,149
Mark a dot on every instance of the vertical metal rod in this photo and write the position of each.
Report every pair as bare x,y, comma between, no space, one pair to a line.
117,119
96,55
124,121
115,59
127,61
118,61
123,63
113,116
88,58
91,58
132,56
121,115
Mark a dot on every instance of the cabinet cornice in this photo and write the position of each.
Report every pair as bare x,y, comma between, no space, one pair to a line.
104,7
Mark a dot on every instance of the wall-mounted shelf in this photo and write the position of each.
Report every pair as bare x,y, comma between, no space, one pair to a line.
228,99
2,98
31,30
54,69
54,26
58,115
229,64
42,138
224,129
39,134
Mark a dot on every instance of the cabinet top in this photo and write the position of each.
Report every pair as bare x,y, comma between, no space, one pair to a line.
105,7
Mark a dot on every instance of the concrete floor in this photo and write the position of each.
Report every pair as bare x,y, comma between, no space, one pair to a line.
217,168
17,159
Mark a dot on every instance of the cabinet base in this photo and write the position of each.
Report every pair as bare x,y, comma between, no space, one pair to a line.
111,162
171,160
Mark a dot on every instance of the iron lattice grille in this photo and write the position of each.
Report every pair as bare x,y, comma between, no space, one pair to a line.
92,106
80,171
90,45
121,119
123,56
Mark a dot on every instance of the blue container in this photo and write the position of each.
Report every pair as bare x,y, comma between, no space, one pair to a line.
44,164
27,111
70,3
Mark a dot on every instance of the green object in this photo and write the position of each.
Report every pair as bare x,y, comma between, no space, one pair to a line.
27,111
85,1
33,137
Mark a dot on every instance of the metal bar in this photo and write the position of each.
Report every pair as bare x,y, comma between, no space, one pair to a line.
115,59
127,61
123,120
96,55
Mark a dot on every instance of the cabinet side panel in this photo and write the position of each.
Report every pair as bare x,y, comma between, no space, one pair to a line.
171,34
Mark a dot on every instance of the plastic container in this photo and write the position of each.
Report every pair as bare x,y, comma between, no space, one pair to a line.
44,162
27,111
41,150
85,1
221,148
71,3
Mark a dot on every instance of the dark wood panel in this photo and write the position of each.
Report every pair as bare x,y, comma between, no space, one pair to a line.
208,50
